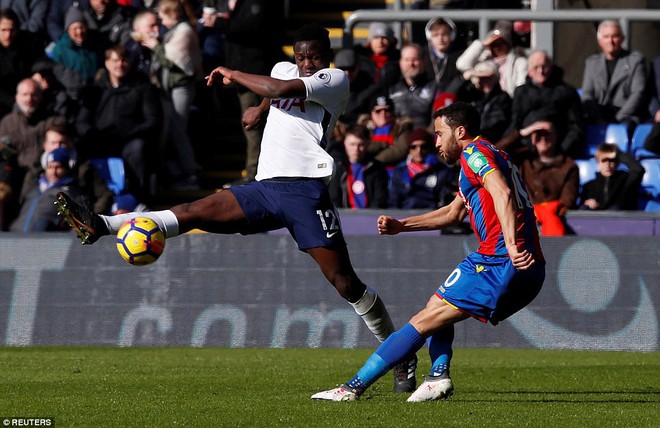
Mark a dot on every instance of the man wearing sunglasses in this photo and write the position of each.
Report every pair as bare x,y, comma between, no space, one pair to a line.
613,188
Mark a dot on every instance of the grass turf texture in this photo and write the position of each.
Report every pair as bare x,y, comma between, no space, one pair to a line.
219,387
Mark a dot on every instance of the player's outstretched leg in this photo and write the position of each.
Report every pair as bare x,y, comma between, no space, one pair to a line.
88,226
375,315
399,347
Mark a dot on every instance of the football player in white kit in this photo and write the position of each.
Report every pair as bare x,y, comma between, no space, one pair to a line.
303,102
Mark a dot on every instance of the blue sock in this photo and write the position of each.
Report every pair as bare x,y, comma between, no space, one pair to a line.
440,350
394,350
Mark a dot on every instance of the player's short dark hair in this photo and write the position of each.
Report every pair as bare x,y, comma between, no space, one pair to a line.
313,32
461,114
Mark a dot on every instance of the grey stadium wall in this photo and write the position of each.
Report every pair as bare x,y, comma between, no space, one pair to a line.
260,291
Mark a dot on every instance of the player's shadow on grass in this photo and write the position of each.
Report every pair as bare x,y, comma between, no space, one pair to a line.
559,396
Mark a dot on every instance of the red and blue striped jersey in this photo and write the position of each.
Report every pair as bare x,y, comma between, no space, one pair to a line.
478,159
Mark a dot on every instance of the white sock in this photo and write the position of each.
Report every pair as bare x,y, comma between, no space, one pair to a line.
166,220
374,314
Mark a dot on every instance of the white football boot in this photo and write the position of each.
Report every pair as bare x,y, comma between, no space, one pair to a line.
433,389
342,393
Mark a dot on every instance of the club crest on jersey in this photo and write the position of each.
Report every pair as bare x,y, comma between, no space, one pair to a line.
322,77
477,161
288,104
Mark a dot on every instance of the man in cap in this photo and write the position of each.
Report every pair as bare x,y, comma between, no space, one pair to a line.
380,56
389,133
38,214
498,47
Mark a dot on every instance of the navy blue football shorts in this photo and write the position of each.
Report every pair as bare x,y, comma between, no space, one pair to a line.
489,288
302,205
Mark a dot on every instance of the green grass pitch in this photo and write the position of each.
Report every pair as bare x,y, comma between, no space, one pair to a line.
218,387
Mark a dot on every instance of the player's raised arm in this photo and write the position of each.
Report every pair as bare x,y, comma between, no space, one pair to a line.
265,86
448,215
503,201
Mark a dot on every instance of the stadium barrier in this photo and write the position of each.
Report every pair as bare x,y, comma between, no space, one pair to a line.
260,291
486,18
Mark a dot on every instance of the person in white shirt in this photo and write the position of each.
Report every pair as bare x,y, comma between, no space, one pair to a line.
303,102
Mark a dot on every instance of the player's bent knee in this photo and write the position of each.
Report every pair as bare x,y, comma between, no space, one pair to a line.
436,315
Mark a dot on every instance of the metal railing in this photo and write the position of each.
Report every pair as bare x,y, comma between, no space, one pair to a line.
485,18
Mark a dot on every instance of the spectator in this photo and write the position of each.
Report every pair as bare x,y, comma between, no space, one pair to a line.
125,203
493,104
359,181
545,94
111,22
90,182
498,47
120,117
38,213
31,15
380,56
56,16
19,50
614,82
413,95
8,182
552,180
179,70
77,55
389,133
53,93
421,181
441,56
145,24
652,142
613,189
243,27
362,87
56,136
24,128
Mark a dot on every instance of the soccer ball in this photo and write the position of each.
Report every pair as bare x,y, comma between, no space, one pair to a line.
140,241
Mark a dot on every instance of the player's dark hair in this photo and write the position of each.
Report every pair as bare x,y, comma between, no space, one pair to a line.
313,32
461,114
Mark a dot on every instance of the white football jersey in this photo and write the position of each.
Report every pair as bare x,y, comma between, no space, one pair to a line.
297,130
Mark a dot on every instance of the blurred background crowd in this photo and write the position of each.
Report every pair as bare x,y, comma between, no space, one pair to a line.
106,99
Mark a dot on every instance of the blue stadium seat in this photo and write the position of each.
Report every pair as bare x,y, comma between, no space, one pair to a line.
650,188
651,179
594,137
588,169
112,171
617,133
637,144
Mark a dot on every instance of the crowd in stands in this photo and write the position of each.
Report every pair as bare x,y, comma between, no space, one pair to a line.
90,90
527,109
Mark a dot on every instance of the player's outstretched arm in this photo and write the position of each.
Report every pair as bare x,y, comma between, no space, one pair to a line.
448,215
265,86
